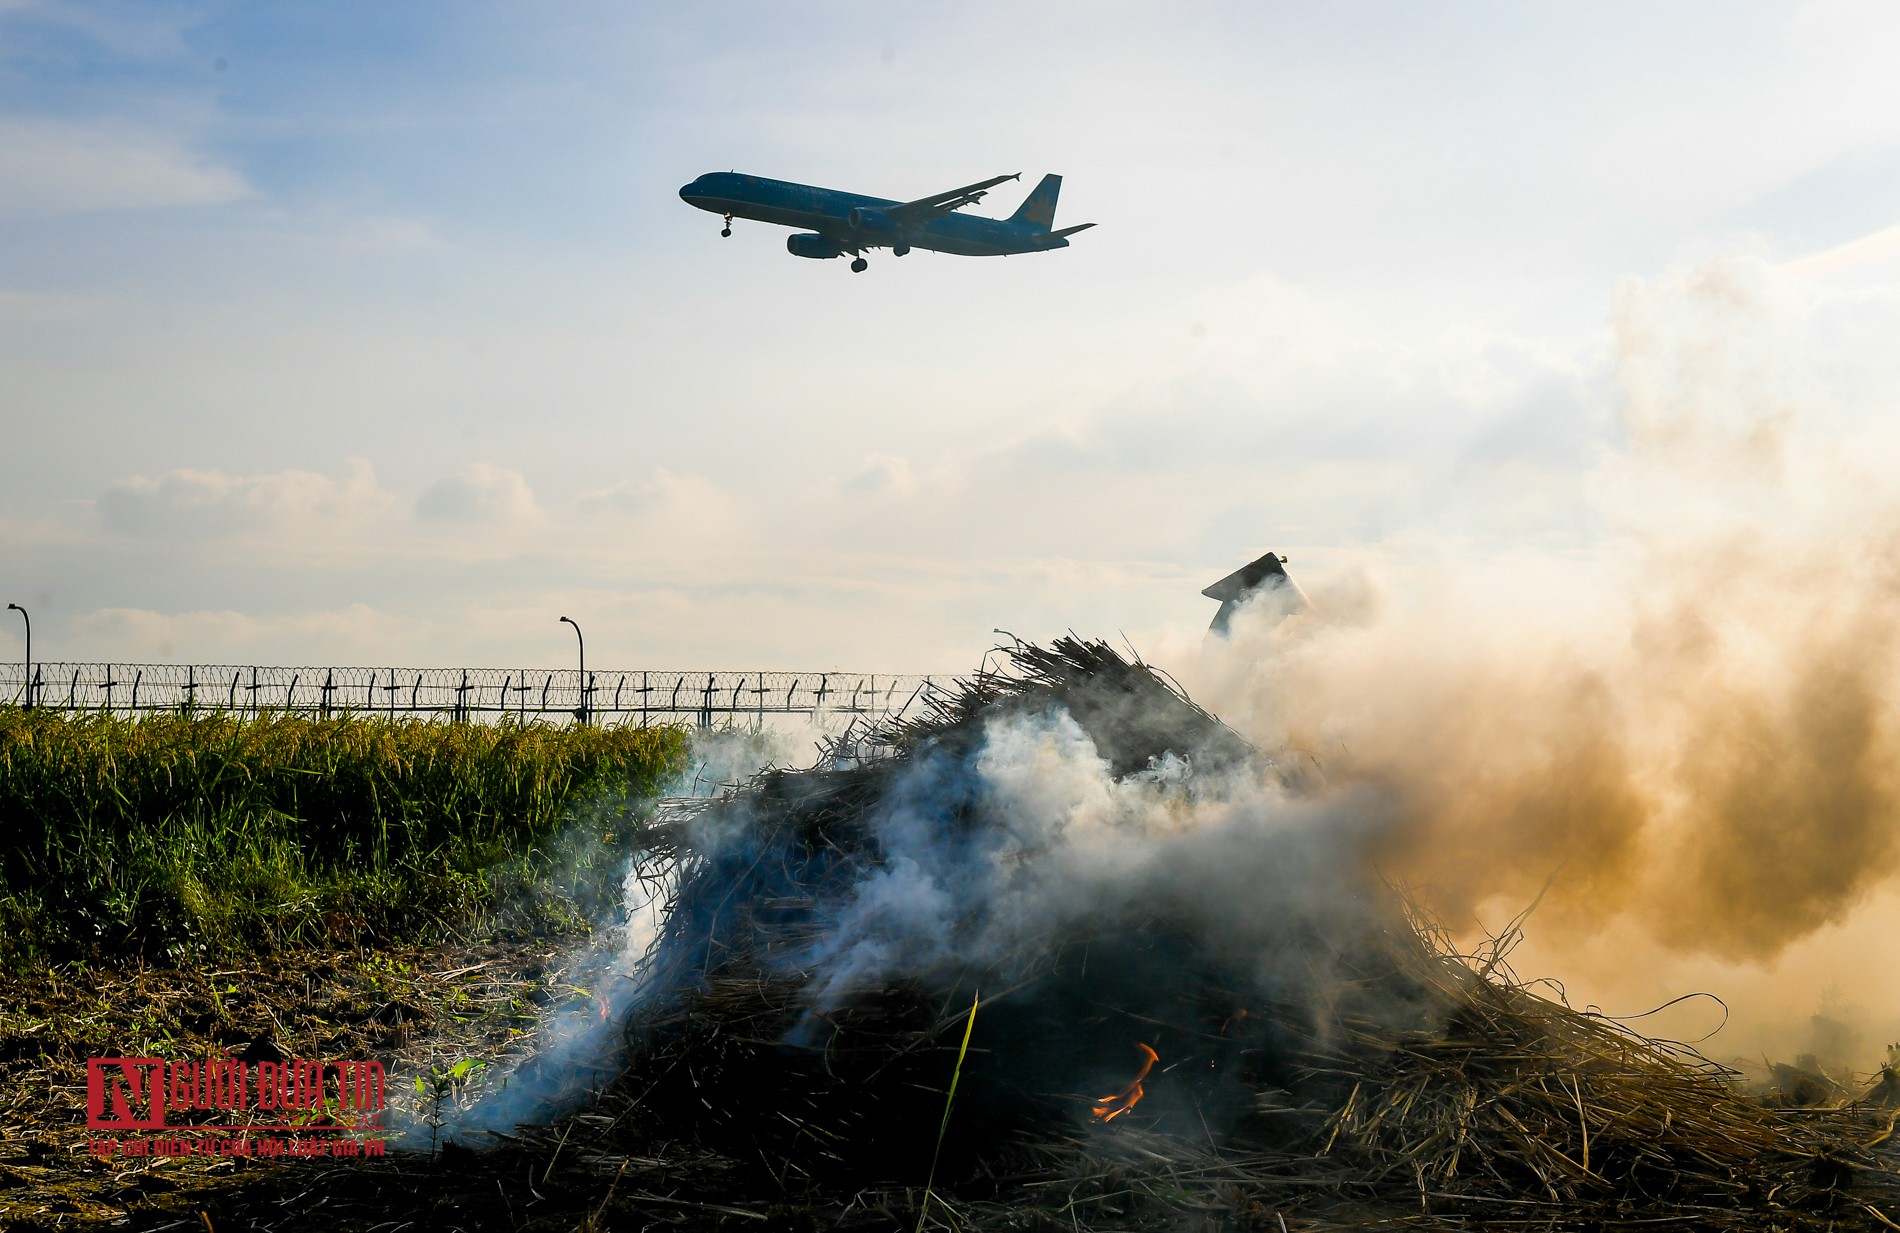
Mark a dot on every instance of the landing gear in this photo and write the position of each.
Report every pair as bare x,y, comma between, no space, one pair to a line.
727,229
859,265
898,250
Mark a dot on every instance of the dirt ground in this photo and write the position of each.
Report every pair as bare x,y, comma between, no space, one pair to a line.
418,1010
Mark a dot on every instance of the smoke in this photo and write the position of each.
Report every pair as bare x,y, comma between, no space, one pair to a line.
1063,846
978,862
724,757
1678,739
1688,732
1106,864
605,976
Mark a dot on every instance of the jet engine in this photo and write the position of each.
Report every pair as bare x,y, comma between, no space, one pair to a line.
862,219
811,244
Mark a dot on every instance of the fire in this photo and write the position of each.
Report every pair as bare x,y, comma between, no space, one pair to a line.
1111,1107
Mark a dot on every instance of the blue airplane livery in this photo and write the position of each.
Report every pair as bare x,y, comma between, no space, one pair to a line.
834,223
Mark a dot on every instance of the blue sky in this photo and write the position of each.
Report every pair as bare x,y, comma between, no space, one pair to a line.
378,334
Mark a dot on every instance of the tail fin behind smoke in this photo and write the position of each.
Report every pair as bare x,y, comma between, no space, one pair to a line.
1039,208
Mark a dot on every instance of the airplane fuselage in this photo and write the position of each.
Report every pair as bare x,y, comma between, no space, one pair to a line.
854,222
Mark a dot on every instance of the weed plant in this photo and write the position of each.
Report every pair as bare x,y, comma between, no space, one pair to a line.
185,836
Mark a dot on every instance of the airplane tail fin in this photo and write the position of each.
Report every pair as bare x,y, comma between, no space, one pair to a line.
1039,208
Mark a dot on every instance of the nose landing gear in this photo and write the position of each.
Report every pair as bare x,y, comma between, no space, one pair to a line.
859,265
727,229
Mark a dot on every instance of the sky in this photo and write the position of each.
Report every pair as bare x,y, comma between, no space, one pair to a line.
379,335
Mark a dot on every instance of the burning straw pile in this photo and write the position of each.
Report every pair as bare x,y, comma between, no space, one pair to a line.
1199,1005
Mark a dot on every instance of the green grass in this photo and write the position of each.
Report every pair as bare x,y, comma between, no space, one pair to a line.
185,836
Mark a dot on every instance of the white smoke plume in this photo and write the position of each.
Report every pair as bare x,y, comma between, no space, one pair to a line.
574,1038
1068,845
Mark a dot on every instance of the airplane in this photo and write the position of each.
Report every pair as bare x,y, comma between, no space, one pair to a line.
836,223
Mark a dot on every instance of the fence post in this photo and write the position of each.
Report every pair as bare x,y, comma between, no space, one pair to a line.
26,672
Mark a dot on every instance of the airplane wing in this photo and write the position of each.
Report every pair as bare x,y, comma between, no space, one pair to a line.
926,208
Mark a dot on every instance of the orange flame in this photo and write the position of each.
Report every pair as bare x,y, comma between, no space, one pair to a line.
1111,1107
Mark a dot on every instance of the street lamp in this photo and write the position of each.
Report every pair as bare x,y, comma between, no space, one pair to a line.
580,712
28,678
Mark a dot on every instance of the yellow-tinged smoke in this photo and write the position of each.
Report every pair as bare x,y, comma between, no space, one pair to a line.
1689,732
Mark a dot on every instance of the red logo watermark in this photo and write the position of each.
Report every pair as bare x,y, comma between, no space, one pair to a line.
300,1096
125,1093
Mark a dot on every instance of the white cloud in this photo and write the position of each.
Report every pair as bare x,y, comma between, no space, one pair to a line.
52,167
1882,248
480,493
188,503
357,633
388,233
663,501
881,474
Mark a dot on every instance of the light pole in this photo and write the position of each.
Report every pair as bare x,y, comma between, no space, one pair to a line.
28,678
580,712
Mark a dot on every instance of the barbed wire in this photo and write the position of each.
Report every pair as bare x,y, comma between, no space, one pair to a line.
467,694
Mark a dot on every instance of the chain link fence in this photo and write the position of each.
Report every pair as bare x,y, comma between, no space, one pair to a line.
465,694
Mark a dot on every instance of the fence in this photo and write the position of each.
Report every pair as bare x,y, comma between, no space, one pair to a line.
464,694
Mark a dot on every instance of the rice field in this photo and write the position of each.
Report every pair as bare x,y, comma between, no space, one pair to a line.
182,837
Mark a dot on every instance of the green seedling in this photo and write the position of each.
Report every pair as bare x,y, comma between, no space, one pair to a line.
439,1087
